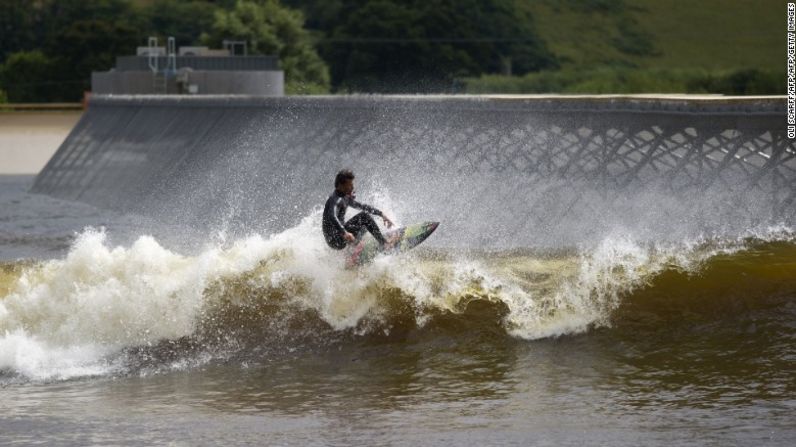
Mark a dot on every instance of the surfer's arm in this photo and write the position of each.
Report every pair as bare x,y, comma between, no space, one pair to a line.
372,210
363,207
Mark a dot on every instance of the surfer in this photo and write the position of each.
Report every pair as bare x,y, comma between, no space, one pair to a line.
337,233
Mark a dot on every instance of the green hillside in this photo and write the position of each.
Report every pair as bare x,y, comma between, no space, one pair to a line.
716,34
654,46
710,34
562,46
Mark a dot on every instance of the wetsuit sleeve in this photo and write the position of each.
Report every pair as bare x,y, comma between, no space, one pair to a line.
363,207
329,214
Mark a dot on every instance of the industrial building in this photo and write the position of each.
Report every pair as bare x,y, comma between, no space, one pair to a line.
192,70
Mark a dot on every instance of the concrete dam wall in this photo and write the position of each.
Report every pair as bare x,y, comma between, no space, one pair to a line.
498,171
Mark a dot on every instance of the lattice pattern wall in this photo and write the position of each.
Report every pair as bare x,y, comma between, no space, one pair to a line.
190,158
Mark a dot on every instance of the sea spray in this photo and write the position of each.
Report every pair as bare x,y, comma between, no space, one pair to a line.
84,314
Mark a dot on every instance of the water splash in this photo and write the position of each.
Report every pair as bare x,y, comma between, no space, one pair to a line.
80,315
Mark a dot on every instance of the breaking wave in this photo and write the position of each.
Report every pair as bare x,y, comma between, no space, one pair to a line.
116,310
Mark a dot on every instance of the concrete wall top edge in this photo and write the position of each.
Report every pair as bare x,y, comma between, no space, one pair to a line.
677,104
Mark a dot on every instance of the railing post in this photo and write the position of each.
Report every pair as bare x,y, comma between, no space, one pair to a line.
152,57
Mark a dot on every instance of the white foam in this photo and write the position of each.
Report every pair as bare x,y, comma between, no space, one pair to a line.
68,317
64,316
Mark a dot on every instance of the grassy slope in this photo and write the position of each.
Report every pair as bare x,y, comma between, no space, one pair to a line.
711,34
717,33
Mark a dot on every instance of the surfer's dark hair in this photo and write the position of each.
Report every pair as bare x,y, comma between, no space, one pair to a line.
342,177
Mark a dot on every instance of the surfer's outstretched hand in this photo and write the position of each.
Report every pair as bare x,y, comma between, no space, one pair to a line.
349,237
387,221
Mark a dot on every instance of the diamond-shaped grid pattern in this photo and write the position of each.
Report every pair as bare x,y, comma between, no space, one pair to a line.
126,149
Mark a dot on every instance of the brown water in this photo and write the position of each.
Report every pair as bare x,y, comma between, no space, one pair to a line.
268,340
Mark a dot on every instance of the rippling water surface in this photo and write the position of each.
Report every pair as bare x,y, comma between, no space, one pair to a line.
128,332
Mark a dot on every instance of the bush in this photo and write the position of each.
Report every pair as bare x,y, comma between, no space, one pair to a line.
633,40
27,77
633,80
748,81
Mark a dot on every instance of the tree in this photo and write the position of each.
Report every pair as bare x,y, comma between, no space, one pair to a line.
81,36
90,45
183,20
16,27
28,77
273,29
423,45
321,15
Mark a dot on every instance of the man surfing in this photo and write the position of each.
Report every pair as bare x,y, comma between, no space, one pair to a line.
337,233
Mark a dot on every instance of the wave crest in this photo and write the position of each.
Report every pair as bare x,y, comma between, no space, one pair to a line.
102,309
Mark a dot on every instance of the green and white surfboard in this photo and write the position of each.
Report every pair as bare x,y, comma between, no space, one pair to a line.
409,237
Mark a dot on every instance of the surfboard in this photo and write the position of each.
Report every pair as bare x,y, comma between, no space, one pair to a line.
408,237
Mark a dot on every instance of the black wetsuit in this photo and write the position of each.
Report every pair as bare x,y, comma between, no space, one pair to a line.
334,214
